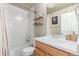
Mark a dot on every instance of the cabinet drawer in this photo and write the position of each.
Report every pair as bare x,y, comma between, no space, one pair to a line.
40,52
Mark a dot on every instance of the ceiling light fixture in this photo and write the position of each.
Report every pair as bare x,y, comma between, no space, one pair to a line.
50,5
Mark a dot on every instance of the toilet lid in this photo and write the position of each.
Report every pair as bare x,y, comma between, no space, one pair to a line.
28,49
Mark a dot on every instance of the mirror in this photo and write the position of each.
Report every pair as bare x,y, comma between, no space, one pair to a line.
67,21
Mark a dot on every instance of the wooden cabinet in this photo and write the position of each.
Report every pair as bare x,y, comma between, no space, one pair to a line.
46,50
40,52
48,54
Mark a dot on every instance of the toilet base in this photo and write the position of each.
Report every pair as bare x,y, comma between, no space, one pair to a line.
28,54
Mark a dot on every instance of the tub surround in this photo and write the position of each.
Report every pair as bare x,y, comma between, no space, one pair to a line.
59,43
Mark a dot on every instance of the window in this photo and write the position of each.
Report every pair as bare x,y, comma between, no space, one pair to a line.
69,23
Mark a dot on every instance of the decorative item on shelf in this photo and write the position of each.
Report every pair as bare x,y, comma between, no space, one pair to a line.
72,37
37,16
38,24
38,19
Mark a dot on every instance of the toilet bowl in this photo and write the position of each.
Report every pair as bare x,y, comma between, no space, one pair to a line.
28,51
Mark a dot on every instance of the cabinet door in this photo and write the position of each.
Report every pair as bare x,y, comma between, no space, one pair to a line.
40,45
36,54
48,54
39,52
56,52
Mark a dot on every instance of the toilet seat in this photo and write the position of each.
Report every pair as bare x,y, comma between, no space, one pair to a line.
28,49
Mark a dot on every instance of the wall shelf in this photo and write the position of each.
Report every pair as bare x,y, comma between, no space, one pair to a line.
39,21
38,18
38,24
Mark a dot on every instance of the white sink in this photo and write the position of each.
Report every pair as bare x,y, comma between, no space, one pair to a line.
56,40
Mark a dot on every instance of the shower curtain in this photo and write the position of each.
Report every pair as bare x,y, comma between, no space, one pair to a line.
3,30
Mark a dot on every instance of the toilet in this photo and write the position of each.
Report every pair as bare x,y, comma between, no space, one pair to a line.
28,51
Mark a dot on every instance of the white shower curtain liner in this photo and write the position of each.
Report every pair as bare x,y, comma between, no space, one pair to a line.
3,31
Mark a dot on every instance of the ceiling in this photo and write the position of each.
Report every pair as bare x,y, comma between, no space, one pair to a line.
58,6
24,5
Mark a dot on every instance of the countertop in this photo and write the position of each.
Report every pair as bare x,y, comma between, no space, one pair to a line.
60,43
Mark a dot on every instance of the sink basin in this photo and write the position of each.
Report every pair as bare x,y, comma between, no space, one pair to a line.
56,40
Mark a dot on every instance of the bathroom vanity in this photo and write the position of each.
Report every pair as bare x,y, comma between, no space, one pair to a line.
46,48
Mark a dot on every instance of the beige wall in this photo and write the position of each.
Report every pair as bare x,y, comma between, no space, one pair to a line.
56,29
